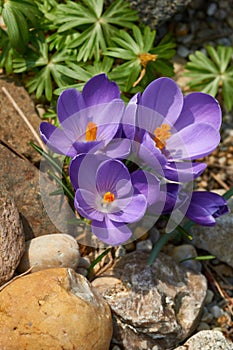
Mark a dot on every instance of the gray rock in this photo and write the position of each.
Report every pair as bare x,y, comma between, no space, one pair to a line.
186,251
207,340
153,306
156,12
217,240
12,240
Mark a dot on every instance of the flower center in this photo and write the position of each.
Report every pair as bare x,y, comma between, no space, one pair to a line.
162,133
147,57
91,131
108,197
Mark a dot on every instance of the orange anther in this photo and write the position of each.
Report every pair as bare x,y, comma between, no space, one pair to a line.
91,131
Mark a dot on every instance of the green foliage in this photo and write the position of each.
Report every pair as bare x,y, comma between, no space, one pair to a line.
58,44
212,74
144,60
18,15
96,26
48,68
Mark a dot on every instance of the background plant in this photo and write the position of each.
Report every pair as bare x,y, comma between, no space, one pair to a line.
56,44
212,73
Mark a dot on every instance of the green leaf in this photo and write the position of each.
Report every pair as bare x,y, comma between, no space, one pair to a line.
97,260
199,258
227,91
17,15
227,195
160,244
213,74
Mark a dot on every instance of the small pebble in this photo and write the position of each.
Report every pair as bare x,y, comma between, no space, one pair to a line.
212,8
186,251
182,51
84,262
209,296
203,326
154,235
145,246
207,316
82,271
216,311
120,251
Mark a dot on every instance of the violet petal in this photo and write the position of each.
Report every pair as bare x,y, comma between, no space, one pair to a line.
112,233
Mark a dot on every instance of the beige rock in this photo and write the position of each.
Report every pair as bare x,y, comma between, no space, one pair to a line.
207,340
53,309
12,240
50,251
154,307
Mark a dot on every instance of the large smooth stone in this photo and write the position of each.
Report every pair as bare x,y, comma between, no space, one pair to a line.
12,240
53,309
50,251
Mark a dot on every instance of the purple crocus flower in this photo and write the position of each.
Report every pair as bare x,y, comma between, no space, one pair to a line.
199,206
109,196
89,120
181,129
205,207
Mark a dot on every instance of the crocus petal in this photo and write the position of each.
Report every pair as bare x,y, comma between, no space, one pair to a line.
83,170
85,147
107,117
183,171
205,207
56,140
69,102
112,233
200,215
199,108
146,184
194,141
147,154
129,117
132,209
118,148
113,176
165,97
84,203
100,90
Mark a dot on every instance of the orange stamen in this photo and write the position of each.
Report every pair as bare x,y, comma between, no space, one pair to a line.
162,133
146,58
91,131
108,197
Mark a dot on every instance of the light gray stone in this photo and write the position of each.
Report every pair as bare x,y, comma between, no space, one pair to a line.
217,240
212,8
157,305
207,340
12,240
144,246
186,251
50,251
